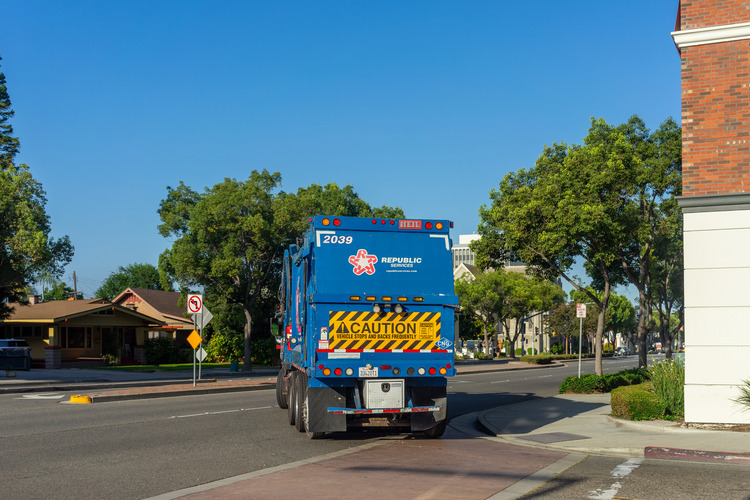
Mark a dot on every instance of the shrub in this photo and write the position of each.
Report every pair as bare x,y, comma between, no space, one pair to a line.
744,397
590,383
636,402
263,352
557,349
519,351
668,378
541,359
226,346
161,350
480,355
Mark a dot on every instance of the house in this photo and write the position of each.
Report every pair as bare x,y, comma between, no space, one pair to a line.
80,331
162,306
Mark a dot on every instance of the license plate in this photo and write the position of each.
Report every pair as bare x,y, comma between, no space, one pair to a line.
364,372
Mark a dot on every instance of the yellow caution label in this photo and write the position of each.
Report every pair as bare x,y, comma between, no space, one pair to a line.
384,330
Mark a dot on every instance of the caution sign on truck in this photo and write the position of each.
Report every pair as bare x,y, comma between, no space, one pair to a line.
384,330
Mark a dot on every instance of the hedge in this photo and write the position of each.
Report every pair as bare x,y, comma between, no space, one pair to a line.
636,402
590,383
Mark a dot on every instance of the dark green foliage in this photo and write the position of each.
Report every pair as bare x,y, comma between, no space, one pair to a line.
160,351
557,349
590,383
636,402
133,275
541,359
668,378
265,352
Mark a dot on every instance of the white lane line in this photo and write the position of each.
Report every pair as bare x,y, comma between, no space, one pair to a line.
42,396
206,413
618,472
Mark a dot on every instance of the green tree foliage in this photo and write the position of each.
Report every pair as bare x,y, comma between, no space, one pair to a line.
59,291
26,249
230,239
133,275
498,297
333,200
601,203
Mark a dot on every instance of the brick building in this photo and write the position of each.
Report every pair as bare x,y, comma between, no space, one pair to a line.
713,38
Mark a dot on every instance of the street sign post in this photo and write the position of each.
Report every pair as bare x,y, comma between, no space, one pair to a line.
580,313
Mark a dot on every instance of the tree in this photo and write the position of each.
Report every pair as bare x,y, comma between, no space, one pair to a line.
59,291
498,297
132,275
230,239
332,200
26,249
599,202
483,298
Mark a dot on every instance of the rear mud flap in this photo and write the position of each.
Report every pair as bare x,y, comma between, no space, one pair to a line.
319,399
428,396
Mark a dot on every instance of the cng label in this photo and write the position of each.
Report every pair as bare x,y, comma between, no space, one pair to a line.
371,330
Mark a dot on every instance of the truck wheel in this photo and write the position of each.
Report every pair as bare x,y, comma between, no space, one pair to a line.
437,431
300,392
306,415
292,406
282,393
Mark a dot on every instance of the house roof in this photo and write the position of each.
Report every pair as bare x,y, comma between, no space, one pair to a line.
464,269
59,310
164,302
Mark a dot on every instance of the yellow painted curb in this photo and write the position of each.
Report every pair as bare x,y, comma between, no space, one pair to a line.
80,399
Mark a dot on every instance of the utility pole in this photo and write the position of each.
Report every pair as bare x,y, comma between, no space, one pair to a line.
75,286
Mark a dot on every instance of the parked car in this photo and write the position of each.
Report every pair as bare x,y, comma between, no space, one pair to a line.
15,354
622,351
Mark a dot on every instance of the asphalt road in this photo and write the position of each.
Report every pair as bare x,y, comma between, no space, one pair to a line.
142,448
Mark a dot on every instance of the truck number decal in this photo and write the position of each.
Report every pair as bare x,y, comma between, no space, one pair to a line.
341,240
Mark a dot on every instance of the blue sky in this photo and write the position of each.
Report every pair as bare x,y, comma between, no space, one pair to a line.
422,105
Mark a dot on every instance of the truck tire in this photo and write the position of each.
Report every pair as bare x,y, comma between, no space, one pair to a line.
437,431
300,391
282,393
292,406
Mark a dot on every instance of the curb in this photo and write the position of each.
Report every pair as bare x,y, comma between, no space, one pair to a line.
697,455
105,398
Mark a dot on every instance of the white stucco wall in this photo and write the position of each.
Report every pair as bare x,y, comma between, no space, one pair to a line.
717,314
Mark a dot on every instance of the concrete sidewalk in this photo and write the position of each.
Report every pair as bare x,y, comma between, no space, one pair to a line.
582,423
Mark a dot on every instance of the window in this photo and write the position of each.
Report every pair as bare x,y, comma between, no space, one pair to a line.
76,337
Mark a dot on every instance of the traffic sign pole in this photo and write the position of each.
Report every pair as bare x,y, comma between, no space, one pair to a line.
194,356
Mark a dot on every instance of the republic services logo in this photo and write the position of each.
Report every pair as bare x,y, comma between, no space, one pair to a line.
363,263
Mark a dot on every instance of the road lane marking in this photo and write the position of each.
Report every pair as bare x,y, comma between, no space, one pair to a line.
206,413
619,472
42,396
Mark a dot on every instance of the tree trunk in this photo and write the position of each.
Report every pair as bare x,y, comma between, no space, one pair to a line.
486,340
246,366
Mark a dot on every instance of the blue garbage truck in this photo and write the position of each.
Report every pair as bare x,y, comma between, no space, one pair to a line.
367,335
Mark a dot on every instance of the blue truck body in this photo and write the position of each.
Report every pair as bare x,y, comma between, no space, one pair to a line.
367,310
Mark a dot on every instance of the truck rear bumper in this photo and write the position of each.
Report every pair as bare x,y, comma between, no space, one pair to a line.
374,411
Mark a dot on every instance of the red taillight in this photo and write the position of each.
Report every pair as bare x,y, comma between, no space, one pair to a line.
337,371
432,371
448,366
337,222
374,221
385,367
382,222
393,222
320,367
428,225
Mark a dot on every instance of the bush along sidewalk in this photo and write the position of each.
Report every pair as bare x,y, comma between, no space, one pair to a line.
636,394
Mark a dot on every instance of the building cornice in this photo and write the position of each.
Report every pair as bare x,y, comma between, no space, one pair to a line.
714,202
712,34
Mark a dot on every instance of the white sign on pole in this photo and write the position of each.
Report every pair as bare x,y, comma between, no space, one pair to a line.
580,310
195,304
201,354
204,319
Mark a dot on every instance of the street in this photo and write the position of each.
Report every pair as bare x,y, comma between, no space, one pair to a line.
143,448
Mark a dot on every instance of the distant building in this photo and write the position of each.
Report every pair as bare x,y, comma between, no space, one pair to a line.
462,254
